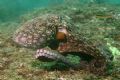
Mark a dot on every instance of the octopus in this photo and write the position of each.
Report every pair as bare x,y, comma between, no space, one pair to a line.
53,41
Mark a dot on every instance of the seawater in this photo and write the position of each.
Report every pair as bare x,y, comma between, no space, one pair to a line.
11,9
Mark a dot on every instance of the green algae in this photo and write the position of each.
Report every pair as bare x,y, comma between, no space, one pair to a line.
115,51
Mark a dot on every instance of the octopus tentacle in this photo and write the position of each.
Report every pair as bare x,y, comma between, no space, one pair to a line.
48,55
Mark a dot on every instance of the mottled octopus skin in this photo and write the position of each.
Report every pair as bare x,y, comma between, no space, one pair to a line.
98,63
36,32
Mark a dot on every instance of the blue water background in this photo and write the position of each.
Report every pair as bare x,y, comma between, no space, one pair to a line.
12,9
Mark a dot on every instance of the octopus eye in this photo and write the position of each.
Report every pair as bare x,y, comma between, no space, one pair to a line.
60,36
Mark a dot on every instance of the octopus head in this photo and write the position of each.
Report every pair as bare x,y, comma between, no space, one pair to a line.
29,40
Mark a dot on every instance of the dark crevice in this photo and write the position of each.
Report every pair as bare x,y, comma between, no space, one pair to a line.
83,56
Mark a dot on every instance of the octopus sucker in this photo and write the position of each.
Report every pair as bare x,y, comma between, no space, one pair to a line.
52,31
